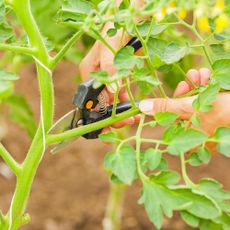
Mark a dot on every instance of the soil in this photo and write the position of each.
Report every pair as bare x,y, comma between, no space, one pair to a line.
70,190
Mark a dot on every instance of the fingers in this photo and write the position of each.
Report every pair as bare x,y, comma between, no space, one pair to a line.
90,63
182,107
182,88
129,121
200,77
205,75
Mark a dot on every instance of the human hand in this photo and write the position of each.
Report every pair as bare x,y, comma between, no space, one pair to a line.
101,58
218,116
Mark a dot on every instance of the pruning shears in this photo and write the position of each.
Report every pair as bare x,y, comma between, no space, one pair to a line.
85,100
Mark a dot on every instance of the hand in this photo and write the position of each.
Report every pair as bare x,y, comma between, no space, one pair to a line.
101,58
218,116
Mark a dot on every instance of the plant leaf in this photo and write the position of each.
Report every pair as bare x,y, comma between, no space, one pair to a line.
21,113
190,219
153,158
165,118
222,136
125,59
205,99
185,139
221,70
108,137
123,164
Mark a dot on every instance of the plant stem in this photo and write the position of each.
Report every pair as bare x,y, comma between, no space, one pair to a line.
104,41
187,180
138,148
149,62
65,48
19,49
68,135
112,220
13,165
115,101
185,76
29,167
127,85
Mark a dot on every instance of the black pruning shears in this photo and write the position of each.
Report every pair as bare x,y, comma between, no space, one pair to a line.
85,100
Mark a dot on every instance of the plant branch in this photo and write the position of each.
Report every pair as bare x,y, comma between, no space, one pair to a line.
18,49
65,48
138,148
185,76
68,135
149,62
13,165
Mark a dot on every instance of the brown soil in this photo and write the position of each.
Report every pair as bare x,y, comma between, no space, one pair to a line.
71,189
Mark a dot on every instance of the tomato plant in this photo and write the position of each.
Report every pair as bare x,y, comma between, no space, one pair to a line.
172,33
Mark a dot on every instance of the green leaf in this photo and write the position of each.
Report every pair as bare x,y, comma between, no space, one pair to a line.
219,52
122,164
125,59
174,53
163,165
184,140
153,158
21,113
190,219
222,136
112,32
221,70
6,89
7,76
196,120
204,155
6,32
165,118
194,159
201,206
213,189
75,11
156,29
158,199
145,80
166,177
163,52
205,99
108,137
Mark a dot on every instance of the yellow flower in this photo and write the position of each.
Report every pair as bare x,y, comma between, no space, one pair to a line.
203,25
171,8
219,7
161,14
221,23
182,13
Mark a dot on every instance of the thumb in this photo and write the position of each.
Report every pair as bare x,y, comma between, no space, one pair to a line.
181,106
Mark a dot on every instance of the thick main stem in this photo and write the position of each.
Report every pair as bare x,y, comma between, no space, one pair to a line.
34,156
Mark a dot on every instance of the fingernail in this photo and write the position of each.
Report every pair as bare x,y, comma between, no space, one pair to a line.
146,106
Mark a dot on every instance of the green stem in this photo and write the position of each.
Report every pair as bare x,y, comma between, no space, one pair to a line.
149,62
187,180
138,148
65,48
18,49
185,75
104,41
13,165
68,135
29,167
112,220
131,97
115,100
150,30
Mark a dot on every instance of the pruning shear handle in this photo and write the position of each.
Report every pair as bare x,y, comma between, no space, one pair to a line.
86,99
